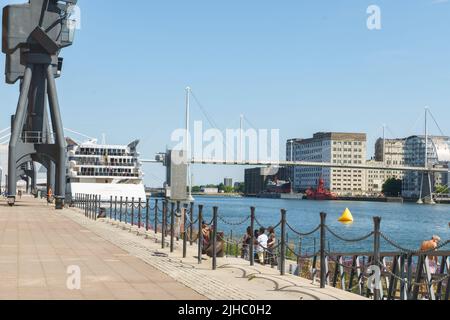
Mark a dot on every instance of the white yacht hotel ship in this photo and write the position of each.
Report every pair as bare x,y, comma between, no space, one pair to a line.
104,170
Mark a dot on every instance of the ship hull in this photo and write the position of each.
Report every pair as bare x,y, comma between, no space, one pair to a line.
108,190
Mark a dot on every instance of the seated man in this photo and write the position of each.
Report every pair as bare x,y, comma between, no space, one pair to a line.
206,233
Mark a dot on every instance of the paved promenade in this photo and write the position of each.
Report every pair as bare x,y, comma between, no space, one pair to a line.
38,244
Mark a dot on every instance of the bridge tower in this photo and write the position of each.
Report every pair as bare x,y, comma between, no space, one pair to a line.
33,35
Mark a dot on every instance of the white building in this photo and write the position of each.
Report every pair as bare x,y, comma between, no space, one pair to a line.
331,147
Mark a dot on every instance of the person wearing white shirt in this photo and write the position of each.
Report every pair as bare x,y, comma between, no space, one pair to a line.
261,245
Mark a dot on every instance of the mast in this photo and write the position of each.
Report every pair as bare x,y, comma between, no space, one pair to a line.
241,142
186,141
384,144
426,137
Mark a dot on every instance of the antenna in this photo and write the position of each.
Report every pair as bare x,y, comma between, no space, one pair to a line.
187,144
384,144
426,137
241,137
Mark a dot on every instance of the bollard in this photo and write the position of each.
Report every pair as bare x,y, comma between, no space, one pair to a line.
200,234
376,251
185,232
172,226
214,238
323,276
191,227
132,211
156,216
283,242
120,212
115,208
163,224
251,247
147,205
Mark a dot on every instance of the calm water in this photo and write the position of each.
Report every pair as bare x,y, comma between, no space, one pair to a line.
407,224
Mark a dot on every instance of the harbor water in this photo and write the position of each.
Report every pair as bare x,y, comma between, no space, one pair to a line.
407,224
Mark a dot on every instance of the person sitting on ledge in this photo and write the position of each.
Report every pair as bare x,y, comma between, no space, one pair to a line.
431,245
206,232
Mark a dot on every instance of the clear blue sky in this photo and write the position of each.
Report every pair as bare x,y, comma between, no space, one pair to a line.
301,66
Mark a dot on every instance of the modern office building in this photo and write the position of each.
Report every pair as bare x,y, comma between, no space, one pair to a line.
331,147
391,152
437,155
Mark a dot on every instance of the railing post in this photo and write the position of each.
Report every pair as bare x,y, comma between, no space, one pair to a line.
185,231
172,226
120,213
88,209
139,213
156,216
110,207
126,210
283,242
147,213
132,211
115,208
200,234
251,246
214,238
191,227
177,212
163,224
323,275
376,252
95,208
99,205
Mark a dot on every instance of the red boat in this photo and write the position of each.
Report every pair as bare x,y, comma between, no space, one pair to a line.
321,193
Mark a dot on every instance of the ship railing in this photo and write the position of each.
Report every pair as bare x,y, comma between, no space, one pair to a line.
37,137
400,273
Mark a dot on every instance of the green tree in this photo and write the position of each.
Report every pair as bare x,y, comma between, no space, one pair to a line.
392,187
440,189
228,189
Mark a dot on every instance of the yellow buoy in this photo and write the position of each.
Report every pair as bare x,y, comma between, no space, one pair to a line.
346,216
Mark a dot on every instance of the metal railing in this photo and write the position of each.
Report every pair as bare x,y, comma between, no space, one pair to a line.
405,274
37,137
